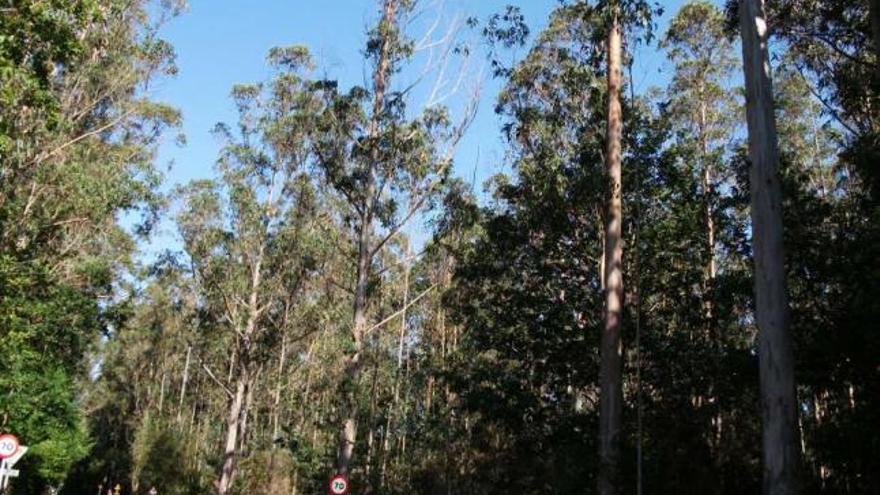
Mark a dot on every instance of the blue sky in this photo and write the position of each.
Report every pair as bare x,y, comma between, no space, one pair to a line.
220,43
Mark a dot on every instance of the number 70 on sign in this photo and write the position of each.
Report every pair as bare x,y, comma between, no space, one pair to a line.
338,485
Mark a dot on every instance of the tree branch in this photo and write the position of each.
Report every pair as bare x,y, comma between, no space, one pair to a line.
825,103
396,228
215,379
401,310
89,134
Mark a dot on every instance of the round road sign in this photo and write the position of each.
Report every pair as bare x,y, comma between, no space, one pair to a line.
339,485
8,446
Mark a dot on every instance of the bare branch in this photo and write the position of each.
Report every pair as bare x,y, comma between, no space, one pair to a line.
89,134
417,205
401,310
406,260
831,110
215,379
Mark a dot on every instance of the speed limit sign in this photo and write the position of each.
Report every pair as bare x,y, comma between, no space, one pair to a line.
8,446
339,485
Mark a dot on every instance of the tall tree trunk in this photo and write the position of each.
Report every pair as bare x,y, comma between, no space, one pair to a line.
371,432
781,452
183,382
230,449
237,413
244,432
276,406
401,339
709,218
348,431
162,389
307,388
611,392
403,412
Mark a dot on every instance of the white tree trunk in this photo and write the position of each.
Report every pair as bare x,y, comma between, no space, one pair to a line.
780,444
230,448
276,406
236,422
183,382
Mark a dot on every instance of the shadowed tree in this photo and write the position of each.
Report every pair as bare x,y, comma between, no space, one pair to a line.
780,444
618,16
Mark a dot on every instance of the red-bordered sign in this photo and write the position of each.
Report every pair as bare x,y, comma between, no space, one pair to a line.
338,485
8,445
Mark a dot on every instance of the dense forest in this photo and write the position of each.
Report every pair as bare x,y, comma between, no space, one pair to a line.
668,291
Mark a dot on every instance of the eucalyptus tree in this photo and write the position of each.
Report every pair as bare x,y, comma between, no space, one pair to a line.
618,16
252,237
827,200
808,142
73,108
387,167
527,288
834,47
603,26
780,441
77,142
702,108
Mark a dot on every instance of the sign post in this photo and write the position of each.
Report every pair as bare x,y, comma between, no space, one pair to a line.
10,452
339,485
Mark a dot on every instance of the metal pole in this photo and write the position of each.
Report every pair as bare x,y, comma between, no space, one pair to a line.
3,478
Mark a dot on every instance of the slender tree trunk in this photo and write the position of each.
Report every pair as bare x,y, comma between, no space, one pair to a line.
709,218
307,389
244,431
371,432
713,333
276,406
237,414
183,382
389,424
230,448
429,395
232,361
162,389
406,398
781,452
611,396
192,419
348,431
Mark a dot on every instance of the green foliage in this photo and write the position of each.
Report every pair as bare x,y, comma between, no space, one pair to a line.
528,283
77,150
46,328
477,369
527,286
269,472
159,459
36,40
